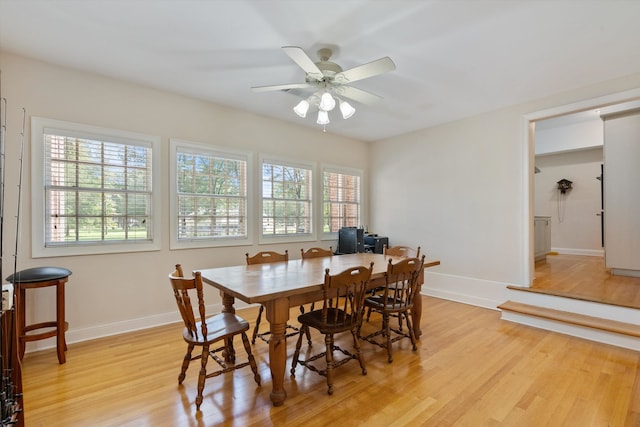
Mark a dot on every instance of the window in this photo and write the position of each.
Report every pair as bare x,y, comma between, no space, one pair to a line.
286,199
93,190
341,199
209,190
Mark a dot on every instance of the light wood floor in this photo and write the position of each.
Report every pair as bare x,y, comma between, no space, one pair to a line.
471,369
585,277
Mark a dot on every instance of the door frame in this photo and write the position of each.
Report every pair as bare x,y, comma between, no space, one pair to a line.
528,164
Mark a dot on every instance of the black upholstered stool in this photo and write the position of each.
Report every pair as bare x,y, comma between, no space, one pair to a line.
40,277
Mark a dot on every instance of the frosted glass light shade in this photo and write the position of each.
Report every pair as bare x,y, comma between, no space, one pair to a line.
327,103
346,109
323,117
302,108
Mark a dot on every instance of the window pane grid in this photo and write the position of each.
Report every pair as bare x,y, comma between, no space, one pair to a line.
286,200
96,191
341,204
212,196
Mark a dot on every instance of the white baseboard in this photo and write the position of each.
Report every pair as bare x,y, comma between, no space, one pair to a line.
106,330
625,272
467,290
576,251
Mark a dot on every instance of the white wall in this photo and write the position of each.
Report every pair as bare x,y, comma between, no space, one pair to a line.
575,228
457,191
119,292
622,195
576,136
462,191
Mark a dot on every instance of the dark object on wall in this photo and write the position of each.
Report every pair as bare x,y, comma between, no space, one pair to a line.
350,240
601,214
374,243
564,185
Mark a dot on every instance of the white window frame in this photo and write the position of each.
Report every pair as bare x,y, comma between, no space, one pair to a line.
282,238
217,151
39,126
345,171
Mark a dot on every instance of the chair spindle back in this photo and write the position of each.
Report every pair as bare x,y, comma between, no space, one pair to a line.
402,283
346,290
183,289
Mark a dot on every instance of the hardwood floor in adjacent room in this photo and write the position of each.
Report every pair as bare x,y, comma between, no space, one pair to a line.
587,278
470,369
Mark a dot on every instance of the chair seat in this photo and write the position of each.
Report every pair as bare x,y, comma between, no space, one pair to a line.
219,326
378,302
337,320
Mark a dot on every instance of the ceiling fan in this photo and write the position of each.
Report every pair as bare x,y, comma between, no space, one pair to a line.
329,83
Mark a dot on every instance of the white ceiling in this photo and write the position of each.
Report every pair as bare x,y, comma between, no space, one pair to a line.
454,59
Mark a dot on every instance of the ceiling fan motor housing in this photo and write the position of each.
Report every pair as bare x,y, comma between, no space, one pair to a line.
328,68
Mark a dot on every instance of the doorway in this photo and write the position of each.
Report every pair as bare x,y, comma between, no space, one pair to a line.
569,151
618,100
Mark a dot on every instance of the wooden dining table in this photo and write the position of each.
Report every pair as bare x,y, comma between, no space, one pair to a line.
279,286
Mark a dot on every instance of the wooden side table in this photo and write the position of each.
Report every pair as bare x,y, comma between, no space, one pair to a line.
34,278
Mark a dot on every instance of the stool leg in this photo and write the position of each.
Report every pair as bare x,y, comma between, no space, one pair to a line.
61,341
22,322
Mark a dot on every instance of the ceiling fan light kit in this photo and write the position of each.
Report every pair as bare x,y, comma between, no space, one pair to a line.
323,117
325,77
327,103
302,108
346,109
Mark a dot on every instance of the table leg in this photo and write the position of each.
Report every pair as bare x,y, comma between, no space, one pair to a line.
227,303
277,314
416,313
227,307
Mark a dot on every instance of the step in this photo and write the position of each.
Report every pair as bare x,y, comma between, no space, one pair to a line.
571,295
560,301
606,325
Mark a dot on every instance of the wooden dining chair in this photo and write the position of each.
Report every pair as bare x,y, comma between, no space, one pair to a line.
309,254
316,253
401,287
217,330
402,251
342,311
267,257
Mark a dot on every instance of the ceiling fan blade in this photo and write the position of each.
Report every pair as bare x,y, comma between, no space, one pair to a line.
359,95
279,87
302,59
364,71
